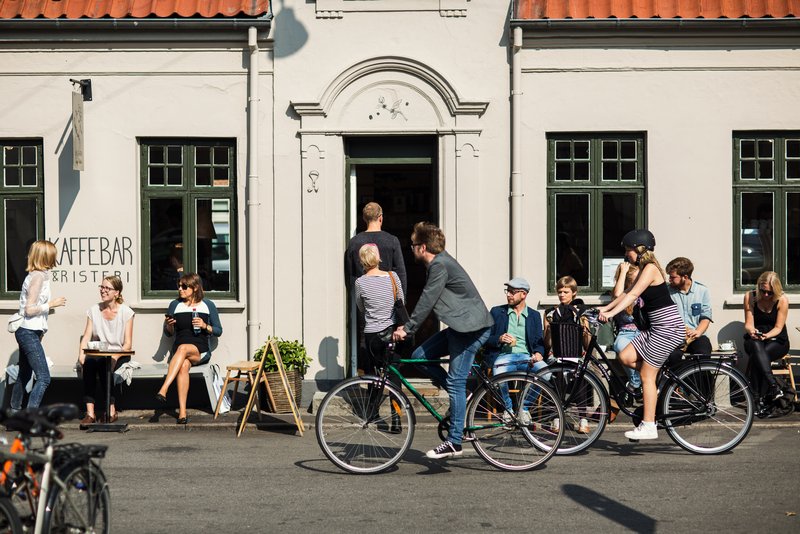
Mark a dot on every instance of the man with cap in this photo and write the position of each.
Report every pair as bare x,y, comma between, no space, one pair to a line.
515,339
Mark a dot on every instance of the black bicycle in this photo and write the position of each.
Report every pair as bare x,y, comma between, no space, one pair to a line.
705,405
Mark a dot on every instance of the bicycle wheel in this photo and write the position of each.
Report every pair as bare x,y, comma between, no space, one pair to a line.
83,504
362,429
523,437
585,404
9,520
715,417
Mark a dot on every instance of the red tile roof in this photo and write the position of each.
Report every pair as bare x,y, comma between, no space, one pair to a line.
646,9
95,9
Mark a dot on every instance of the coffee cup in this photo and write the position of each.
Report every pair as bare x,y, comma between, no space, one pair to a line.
727,345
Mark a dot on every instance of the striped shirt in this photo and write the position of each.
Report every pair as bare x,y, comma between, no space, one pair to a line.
375,299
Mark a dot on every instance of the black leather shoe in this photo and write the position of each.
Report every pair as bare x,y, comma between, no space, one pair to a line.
182,421
161,399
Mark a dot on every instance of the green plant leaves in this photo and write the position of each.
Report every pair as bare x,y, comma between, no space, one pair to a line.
293,354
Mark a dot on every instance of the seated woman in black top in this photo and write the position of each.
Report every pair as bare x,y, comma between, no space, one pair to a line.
192,320
766,339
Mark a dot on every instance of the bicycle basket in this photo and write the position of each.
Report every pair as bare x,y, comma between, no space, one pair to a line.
567,340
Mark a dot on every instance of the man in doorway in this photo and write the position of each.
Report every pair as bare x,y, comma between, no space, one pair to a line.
451,295
391,259
694,305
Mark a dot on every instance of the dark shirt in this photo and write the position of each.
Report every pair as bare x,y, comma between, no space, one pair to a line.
656,297
391,256
765,321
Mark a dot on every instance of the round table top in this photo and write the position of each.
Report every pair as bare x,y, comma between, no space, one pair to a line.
94,352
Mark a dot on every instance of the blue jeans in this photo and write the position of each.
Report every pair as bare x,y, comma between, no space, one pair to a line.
623,339
509,363
31,360
462,348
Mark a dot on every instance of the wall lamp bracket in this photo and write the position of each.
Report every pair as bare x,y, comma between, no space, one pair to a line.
86,88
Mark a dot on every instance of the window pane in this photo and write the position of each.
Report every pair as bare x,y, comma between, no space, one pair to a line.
156,155
20,223
793,148
174,155
155,176
610,150
11,156
793,238
220,155
220,176
765,148
202,155
581,149
628,149
174,175
610,170
213,244
29,155
563,150
166,242
748,170
12,177
629,170
765,170
619,218
747,148
563,169
793,169
582,170
29,176
572,237
757,245
203,176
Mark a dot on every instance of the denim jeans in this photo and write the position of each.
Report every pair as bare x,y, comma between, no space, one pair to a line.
31,360
462,348
624,337
509,363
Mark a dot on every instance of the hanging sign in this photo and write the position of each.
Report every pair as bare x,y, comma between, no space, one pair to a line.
77,131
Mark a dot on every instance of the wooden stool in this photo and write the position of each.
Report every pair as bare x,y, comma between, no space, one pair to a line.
783,367
245,372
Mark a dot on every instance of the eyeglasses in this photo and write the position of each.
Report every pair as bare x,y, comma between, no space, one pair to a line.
105,289
767,293
510,291
184,287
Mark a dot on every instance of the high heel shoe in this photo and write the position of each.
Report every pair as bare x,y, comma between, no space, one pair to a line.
161,399
182,421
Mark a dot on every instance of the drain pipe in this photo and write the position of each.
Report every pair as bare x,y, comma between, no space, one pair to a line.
516,172
253,317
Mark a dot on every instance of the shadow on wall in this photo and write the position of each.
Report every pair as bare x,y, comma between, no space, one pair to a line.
5,391
69,180
293,35
623,515
328,356
733,331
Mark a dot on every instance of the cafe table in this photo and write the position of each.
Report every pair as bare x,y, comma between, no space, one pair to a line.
111,355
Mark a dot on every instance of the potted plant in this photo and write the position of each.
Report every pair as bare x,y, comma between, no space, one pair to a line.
295,361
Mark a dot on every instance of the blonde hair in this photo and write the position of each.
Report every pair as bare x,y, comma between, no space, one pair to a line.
116,283
370,256
41,256
568,282
630,278
647,257
771,278
371,212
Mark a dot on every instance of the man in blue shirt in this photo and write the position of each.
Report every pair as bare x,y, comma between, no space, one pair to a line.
694,305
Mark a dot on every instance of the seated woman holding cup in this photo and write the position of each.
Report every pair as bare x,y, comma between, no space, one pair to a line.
109,326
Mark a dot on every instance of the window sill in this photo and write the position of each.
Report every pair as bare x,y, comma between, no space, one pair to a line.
160,306
589,300
736,300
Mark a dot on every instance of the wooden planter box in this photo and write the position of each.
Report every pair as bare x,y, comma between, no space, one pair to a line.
279,395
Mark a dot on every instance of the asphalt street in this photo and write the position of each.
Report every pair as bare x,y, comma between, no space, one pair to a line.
204,479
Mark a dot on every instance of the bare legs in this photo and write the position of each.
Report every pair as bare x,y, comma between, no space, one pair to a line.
179,365
629,358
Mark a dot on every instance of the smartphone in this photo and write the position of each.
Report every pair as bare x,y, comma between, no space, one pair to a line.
168,316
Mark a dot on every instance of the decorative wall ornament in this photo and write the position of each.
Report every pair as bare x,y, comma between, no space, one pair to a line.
391,107
313,177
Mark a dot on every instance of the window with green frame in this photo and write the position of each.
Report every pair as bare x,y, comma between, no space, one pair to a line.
188,214
595,194
766,196
22,204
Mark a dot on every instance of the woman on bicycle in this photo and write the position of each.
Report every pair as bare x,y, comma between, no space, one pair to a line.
766,339
651,348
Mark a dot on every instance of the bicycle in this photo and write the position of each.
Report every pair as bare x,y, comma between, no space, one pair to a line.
53,488
366,424
705,406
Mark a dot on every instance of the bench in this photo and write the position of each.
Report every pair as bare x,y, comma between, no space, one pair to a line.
148,370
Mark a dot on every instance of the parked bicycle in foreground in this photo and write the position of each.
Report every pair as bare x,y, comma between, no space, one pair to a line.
49,487
366,424
705,405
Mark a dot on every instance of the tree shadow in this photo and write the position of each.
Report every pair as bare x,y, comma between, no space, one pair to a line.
624,516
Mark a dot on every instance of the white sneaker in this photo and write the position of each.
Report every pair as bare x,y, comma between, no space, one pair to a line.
556,425
525,418
508,419
583,426
643,431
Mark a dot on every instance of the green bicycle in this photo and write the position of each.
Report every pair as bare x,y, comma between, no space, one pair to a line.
365,424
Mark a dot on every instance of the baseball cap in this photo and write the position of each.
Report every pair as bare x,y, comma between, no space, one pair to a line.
518,283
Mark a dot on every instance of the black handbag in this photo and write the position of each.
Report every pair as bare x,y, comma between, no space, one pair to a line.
400,312
640,318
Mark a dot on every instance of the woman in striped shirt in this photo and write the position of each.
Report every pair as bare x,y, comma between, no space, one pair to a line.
375,295
651,348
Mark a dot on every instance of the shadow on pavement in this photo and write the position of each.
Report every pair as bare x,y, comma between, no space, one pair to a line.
615,511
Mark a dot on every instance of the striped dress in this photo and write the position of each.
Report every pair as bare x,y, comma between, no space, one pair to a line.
667,331
375,299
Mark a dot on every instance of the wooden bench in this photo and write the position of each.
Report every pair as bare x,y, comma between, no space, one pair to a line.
148,370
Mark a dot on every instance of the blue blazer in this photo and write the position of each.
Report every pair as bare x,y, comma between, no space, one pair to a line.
533,331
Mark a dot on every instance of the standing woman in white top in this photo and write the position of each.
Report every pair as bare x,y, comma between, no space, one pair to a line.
110,321
34,305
